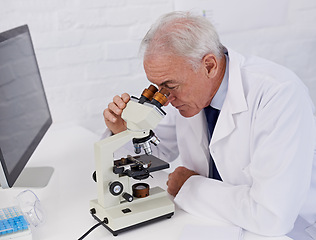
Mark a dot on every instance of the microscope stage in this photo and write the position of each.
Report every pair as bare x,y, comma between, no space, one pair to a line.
156,163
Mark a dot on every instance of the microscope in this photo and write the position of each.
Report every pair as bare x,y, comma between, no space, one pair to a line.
121,206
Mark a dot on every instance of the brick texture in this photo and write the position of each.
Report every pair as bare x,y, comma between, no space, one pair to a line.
88,50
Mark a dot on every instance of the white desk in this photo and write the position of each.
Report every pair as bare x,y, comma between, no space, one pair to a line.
66,198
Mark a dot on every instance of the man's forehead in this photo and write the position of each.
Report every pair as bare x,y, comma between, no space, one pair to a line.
168,63
157,65
164,69
156,58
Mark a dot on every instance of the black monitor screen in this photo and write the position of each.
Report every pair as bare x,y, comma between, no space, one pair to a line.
24,112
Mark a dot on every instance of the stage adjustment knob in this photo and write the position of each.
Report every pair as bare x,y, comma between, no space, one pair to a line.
127,197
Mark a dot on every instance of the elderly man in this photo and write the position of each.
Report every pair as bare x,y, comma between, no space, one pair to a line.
254,168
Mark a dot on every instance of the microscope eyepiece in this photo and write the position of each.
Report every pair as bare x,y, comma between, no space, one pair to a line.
153,96
160,98
148,94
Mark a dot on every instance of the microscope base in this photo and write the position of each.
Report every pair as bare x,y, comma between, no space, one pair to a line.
115,233
141,211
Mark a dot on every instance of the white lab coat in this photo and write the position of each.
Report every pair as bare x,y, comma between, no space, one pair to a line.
263,146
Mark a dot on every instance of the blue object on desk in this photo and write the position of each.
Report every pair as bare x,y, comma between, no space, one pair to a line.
12,221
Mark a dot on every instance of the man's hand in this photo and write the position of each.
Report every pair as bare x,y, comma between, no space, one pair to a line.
177,179
112,114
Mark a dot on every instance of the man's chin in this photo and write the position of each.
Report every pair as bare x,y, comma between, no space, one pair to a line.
187,114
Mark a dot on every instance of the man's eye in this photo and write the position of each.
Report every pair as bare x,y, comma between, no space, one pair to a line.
172,87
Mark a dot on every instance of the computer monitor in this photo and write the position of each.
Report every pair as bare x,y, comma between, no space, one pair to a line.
24,113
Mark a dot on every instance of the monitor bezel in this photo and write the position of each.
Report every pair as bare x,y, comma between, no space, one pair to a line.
8,179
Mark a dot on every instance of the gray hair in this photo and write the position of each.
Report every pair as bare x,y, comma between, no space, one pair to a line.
182,34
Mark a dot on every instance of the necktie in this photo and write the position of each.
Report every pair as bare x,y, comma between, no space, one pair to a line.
211,117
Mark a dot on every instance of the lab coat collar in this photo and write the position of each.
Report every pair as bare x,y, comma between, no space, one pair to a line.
236,96
235,101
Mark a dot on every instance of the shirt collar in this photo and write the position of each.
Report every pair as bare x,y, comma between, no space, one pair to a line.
218,99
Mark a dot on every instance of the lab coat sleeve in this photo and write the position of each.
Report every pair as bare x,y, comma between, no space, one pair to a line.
282,143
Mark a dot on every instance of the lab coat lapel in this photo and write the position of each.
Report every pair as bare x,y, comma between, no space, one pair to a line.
235,101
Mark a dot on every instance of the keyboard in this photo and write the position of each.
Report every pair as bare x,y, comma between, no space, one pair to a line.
13,224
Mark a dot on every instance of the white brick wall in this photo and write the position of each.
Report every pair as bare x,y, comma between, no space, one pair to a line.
88,50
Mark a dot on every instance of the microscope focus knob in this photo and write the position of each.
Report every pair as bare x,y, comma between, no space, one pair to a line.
128,197
116,188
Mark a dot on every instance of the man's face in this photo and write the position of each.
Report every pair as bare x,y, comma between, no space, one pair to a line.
190,90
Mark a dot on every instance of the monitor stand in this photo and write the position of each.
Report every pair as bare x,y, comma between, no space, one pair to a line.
34,177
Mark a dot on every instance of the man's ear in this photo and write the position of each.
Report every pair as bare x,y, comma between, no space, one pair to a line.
210,65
